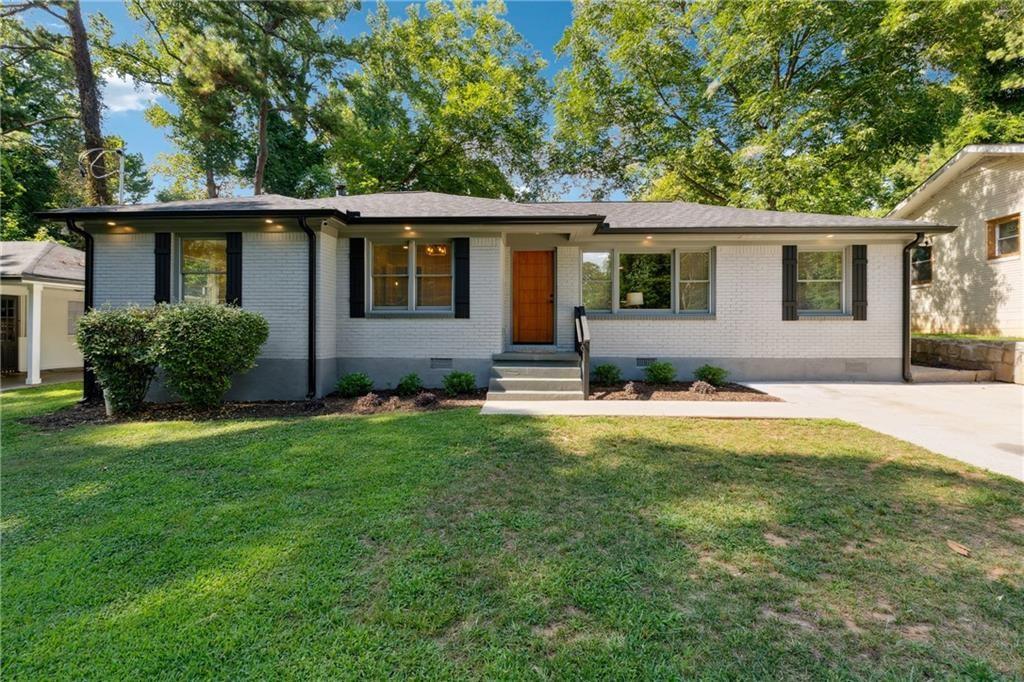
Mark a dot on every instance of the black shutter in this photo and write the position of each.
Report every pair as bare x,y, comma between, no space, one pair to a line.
789,283
460,246
234,292
860,282
356,277
162,267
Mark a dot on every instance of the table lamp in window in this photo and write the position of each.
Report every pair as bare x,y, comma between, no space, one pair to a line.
634,299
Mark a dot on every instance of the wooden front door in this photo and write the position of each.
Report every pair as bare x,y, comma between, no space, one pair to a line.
8,334
533,297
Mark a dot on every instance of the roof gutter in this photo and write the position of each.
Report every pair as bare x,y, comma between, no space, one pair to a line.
311,317
753,230
343,216
907,374
90,388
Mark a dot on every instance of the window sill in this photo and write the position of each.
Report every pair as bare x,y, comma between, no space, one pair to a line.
1008,256
824,316
918,285
409,315
653,315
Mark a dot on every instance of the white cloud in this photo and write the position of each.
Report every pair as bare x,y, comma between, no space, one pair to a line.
124,94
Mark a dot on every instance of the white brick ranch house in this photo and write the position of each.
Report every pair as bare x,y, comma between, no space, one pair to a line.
424,282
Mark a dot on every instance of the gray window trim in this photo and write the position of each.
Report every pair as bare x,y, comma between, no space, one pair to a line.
845,291
411,309
655,313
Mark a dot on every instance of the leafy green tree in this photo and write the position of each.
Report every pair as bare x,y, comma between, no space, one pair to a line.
796,105
296,167
449,99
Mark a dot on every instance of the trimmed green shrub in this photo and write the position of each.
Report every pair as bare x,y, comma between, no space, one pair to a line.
409,385
200,346
354,385
660,373
117,344
607,374
711,374
457,383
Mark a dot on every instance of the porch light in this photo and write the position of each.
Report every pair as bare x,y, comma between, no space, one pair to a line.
111,223
268,220
649,237
407,228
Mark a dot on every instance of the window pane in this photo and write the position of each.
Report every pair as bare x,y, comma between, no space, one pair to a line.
433,259
922,264
597,281
390,259
390,292
645,280
204,255
204,287
434,292
694,266
1008,237
818,295
819,265
693,296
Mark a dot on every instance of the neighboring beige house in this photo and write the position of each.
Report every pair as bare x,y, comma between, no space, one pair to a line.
43,295
971,280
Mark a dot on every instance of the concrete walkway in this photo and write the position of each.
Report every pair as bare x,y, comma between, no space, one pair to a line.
981,424
11,382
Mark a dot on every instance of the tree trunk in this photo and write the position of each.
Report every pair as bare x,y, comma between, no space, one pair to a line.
211,184
263,151
89,101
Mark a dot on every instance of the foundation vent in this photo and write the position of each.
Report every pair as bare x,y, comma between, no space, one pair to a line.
440,363
645,362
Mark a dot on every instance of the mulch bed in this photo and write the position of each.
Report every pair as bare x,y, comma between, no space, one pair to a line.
679,390
94,413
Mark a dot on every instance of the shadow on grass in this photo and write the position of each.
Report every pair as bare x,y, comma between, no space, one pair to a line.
450,544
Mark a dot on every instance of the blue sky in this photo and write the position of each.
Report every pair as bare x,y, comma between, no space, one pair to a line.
540,22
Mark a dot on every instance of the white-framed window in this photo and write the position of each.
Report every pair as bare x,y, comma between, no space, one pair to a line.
668,281
411,275
75,311
204,269
921,265
819,281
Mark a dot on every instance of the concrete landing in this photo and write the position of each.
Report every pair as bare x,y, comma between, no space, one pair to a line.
948,375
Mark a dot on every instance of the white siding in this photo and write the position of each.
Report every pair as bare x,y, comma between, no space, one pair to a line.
476,337
970,293
748,320
124,270
327,295
568,294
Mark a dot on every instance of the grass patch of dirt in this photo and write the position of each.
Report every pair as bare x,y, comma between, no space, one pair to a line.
679,390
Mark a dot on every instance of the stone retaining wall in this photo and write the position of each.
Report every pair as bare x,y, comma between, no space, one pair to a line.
1005,358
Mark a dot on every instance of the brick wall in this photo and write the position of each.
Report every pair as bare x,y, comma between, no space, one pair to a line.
124,270
748,317
476,337
274,277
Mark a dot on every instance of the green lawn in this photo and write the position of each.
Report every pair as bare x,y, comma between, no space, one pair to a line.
449,544
968,337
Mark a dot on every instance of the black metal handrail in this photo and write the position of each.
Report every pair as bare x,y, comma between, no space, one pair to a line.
583,346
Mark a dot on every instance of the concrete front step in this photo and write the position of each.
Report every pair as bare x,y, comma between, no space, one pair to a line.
535,383
500,371
543,357
534,395
946,375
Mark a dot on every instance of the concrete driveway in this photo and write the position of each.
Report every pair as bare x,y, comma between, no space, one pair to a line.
981,424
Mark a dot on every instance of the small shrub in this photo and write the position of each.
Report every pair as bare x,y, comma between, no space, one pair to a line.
409,385
703,388
711,374
368,403
607,374
660,373
426,399
457,383
118,345
354,384
200,346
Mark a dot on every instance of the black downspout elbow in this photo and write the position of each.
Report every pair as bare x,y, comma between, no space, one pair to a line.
311,323
89,388
907,250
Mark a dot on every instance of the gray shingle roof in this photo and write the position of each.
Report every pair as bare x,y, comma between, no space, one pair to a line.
621,216
41,260
681,216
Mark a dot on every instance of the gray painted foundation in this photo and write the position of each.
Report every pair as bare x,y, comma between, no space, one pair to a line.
386,372
271,379
773,369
